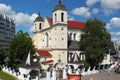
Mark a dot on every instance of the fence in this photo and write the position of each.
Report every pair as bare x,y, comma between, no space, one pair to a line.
53,75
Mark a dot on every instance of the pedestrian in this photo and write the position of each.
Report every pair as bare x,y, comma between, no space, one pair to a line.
108,72
115,70
91,78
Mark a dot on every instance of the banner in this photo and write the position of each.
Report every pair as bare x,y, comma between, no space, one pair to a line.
74,77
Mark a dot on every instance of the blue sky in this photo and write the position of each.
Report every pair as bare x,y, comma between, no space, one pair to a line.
25,11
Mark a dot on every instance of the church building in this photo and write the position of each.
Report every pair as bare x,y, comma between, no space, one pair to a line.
57,38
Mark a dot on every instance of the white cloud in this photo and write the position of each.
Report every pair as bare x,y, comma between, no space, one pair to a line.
32,28
25,19
110,6
4,9
95,10
70,17
82,11
115,33
91,2
21,19
115,39
114,23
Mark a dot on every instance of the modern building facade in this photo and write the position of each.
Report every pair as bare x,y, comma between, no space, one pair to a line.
58,36
7,31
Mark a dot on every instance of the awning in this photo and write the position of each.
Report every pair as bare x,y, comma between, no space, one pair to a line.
48,62
44,54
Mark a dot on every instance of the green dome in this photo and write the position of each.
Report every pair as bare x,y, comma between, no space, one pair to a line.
39,18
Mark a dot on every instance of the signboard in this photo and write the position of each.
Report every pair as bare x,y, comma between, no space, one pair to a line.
74,77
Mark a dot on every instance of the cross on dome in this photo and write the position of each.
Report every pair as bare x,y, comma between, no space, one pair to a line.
59,1
39,13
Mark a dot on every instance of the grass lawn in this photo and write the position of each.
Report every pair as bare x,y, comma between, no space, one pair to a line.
5,76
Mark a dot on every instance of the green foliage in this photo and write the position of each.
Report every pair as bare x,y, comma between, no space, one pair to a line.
2,57
5,76
86,64
119,48
94,41
19,49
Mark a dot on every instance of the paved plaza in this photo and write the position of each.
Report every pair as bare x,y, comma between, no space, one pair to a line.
102,76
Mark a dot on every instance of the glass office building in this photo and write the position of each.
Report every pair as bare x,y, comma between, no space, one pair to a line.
7,31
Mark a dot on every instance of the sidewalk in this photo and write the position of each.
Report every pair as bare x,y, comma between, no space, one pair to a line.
102,76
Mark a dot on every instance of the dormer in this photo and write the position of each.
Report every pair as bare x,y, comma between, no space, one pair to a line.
38,23
60,14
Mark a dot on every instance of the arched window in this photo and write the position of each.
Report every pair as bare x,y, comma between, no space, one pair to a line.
74,36
46,39
40,25
55,17
62,17
70,36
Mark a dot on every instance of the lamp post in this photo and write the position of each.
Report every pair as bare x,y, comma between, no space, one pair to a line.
80,74
80,70
35,60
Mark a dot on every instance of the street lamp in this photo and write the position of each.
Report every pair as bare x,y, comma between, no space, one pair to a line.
35,60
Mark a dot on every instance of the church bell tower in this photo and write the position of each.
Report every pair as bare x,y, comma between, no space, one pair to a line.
60,14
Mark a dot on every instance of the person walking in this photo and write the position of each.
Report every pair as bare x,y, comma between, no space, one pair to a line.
91,78
108,72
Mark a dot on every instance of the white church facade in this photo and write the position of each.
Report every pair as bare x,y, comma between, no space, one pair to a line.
58,36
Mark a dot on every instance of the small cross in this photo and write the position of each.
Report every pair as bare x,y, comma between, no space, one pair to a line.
39,13
59,1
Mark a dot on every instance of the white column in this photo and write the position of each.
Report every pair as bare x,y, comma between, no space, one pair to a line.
48,75
53,74
64,74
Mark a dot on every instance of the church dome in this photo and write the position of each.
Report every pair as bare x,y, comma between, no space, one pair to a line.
60,6
39,18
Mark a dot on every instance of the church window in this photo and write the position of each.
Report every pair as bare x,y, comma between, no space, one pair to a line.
46,39
40,26
70,36
75,36
62,17
62,28
55,17
55,39
62,37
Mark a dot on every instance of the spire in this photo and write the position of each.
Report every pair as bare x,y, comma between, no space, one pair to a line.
39,18
39,13
59,1
59,6
28,59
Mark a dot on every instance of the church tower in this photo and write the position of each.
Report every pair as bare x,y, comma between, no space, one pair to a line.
60,14
38,23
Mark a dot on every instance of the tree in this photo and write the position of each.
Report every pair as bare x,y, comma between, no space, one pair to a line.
2,58
94,41
19,48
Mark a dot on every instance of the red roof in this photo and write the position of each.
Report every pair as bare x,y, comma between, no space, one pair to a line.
76,25
48,62
43,53
50,21
71,24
